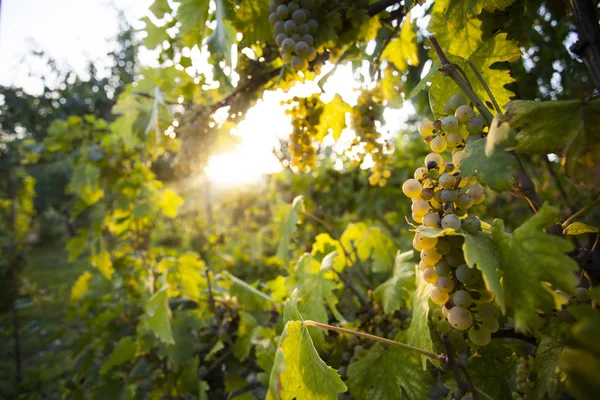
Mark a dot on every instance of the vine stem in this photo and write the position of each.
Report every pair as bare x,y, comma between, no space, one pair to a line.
485,86
580,213
363,335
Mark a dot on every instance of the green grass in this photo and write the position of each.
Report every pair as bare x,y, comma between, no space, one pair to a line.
46,337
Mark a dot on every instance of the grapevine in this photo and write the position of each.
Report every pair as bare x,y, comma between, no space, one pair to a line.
305,113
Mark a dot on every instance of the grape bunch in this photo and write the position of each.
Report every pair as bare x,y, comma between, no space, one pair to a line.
441,197
452,131
294,30
306,113
367,111
525,381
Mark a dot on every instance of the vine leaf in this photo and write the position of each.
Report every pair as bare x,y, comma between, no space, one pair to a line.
435,66
298,372
489,370
287,227
459,11
103,263
222,38
388,374
81,286
393,292
333,118
552,342
402,51
531,259
460,37
581,366
578,123
370,243
580,228
493,169
159,314
252,18
123,352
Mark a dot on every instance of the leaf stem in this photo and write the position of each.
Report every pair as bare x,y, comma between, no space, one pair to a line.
580,213
363,335
485,86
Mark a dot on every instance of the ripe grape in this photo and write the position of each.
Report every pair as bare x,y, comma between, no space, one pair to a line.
435,157
486,296
444,284
464,201
475,126
471,224
273,6
492,325
456,101
308,38
438,144
423,265
420,173
462,298
454,139
425,242
458,157
417,218
279,27
427,194
426,128
282,11
431,219
477,194
299,16
298,63
460,318
448,195
429,275
313,25
480,336
464,114
487,311
446,181
301,49
438,296
430,256
288,45
420,207
451,221
290,27
442,268
466,275
273,18
292,6
444,327
450,124
280,38
412,188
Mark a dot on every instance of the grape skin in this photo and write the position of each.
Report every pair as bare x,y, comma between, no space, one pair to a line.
426,128
431,219
438,297
462,298
434,157
438,144
444,284
480,336
429,275
460,318
430,256
464,114
467,275
412,188
451,221
450,124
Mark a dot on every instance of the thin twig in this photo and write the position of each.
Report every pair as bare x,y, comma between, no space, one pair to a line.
580,213
485,86
512,334
363,335
248,388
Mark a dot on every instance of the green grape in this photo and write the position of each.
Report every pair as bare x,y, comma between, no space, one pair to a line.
431,219
273,6
438,144
480,336
436,158
306,37
280,38
444,284
282,11
456,101
303,29
438,297
564,315
462,298
487,311
417,218
477,194
451,221
467,275
412,188
486,296
464,114
582,294
464,201
425,242
426,128
293,7
296,37
288,45
313,25
299,16
279,28
430,256
301,49
492,325
454,139
429,275
458,157
471,224
444,327
475,126
457,340
443,246
290,27
445,312
455,258
446,181
460,318
298,63
420,173
420,207
442,268
312,56
450,124
448,195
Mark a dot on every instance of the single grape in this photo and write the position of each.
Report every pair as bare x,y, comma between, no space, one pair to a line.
293,7
313,55
287,58
449,208
582,294
412,188
280,38
492,325
444,327
436,158
444,284
456,257
420,173
438,297
443,246
430,256
427,194
298,63
451,221
431,219
462,298
282,11
475,126
273,6
480,336
464,114
487,311
302,49
477,194
446,181
457,340
313,25
429,275
456,101
426,128
308,38
438,144
442,268
426,242
420,207
467,275
471,224
458,157
454,139
417,218
299,16
448,195
273,18
288,45
445,311
423,265
303,30
460,318
279,27
464,201
296,37
290,27
450,124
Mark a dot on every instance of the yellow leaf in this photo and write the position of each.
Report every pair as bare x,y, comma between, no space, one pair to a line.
402,51
170,202
81,285
460,38
103,263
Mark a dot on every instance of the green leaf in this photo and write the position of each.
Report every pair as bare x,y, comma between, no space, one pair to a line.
159,8
393,292
418,334
530,258
324,245
426,79
402,51
192,14
252,19
369,242
582,368
248,330
553,339
103,263
169,202
580,228
287,228
492,169
578,123
250,297
123,352
333,118
458,37
490,368
222,39
159,314
459,11
156,34
298,372
388,374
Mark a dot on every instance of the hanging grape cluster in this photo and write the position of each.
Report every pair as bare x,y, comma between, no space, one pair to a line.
197,131
455,129
525,381
294,30
367,111
306,113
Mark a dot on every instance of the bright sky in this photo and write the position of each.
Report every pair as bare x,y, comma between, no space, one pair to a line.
75,31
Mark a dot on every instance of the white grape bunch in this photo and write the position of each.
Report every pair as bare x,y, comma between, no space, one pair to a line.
306,114
294,27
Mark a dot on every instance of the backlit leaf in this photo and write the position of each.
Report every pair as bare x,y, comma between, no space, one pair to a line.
287,228
123,352
103,263
580,228
494,170
418,333
159,315
395,291
333,118
402,51
81,286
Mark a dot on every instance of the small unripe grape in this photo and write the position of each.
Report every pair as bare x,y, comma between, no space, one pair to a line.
282,11
420,173
427,194
438,297
430,256
280,38
475,126
429,275
423,265
412,188
455,257
480,336
287,58
436,158
443,327
290,27
420,207
438,144
477,194
431,219
454,139
471,224
487,311
279,27
462,298
460,318
426,128
273,18
456,101
298,63
442,268
302,49
293,7
446,181
299,17
458,157
448,195
288,45
464,114
464,201
582,294
467,275
443,246
444,284
307,37
313,25
451,221
450,124
492,325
